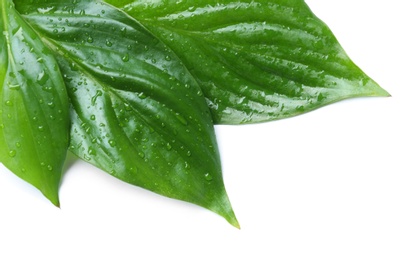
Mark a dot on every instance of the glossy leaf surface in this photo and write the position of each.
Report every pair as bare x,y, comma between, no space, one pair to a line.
34,121
255,60
136,112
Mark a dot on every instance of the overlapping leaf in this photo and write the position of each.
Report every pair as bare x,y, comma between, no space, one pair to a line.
34,123
255,60
140,103
136,112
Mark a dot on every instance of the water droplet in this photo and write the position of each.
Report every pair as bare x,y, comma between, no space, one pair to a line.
300,108
9,103
125,58
127,107
112,143
14,86
320,97
168,146
141,154
142,95
91,151
208,177
41,128
49,167
93,117
168,58
188,153
99,93
181,119
90,39
45,10
109,43
12,153
42,78
187,166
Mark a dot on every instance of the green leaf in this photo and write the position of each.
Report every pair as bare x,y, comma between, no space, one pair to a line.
136,112
255,60
34,116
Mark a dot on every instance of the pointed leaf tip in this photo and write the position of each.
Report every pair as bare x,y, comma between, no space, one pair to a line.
222,206
380,92
255,60
34,120
54,199
141,116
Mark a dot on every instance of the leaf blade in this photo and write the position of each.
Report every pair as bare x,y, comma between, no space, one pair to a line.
256,61
140,117
34,106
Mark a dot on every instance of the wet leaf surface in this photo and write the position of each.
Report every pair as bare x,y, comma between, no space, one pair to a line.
136,111
255,60
34,123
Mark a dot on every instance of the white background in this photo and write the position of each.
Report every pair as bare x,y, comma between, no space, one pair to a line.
331,184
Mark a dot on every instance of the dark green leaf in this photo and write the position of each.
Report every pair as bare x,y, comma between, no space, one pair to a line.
34,120
255,60
136,113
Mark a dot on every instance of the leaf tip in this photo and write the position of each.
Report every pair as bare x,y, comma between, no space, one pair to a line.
223,208
53,198
230,217
380,92
373,89
235,223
